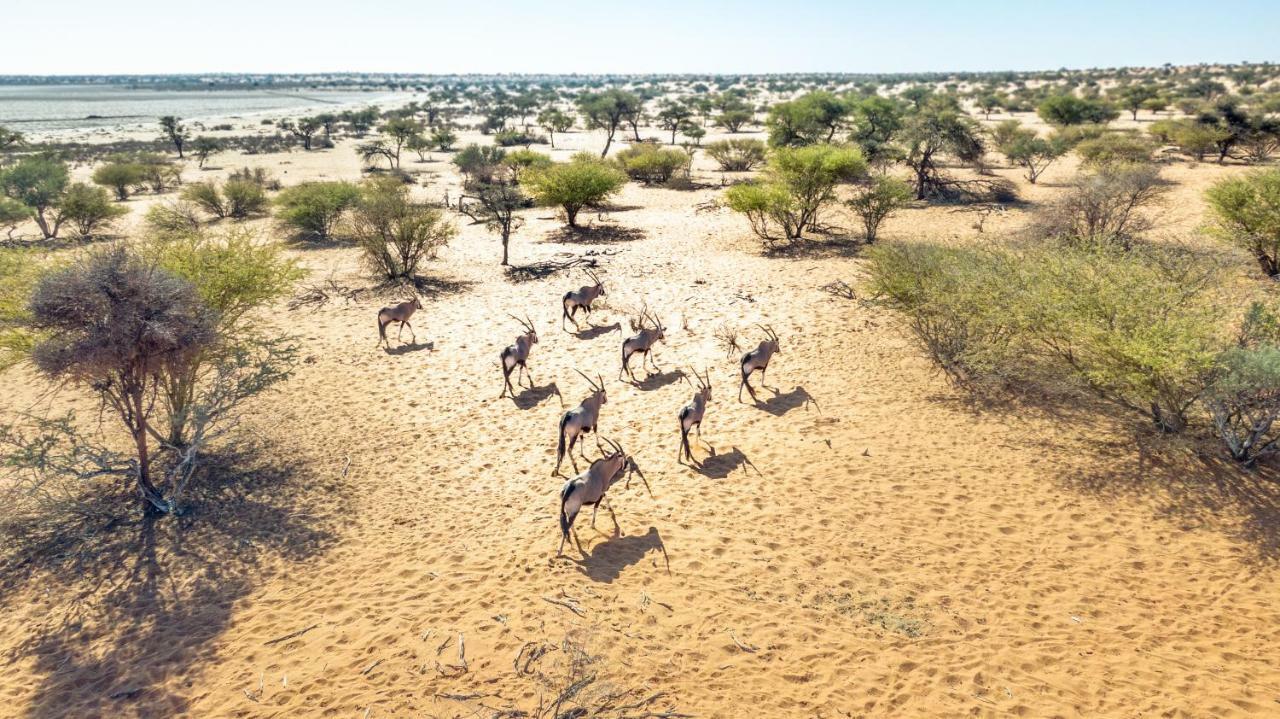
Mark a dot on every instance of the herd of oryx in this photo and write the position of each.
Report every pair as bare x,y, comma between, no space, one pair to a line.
588,489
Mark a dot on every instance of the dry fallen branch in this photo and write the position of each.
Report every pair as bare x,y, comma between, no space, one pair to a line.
840,288
371,667
567,603
287,637
744,647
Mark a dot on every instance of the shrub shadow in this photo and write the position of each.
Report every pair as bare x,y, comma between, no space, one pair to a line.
140,598
598,234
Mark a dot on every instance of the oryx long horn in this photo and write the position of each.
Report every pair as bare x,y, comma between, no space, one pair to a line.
588,379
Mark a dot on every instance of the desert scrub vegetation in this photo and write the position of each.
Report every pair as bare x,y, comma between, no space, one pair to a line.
395,232
1150,328
1246,213
235,199
20,269
88,210
650,164
737,154
875,200
1109,206
582,182
313,209
161,332
797,183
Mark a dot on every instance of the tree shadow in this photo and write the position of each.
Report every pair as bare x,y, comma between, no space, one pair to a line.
595,235
817,249
531,397
434,287
594,331
1195,487
658,380
609,558
140,598
780,404
409,347
719,466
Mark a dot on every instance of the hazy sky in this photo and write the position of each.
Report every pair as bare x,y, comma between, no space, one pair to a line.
608,36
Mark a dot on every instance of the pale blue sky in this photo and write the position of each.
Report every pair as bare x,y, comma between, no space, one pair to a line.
608,36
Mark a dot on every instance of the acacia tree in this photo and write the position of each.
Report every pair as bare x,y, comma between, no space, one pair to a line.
202,147
938,128
1025,148
607,111
555,120
116,324
304,128
806,120
38,183
495,207
399,131
175,131
672,116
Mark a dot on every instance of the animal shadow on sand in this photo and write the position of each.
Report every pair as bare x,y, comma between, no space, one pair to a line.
408,347
531,397
781,403
608,559
594,331
136,599
657,380
719,466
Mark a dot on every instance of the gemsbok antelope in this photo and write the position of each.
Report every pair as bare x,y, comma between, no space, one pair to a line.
579,421
517,356
758,359
642,342
398,313
590,487
691,415
581,298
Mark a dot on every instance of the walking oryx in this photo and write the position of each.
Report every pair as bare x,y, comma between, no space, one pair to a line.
581,298
758,359
517,355
579,421
642,342
691,415
398,313
589,488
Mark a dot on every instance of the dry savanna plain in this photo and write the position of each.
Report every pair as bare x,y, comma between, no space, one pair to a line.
378,538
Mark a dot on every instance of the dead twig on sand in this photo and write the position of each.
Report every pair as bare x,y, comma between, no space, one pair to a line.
567,603
287,637
546,268
530,652
744,647
840,288
319,294
370,668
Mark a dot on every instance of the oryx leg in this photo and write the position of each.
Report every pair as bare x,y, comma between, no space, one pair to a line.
617,528
649,355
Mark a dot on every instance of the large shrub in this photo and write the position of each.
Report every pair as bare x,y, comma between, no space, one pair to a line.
1104,207
1055,314
1246,213
235,198
88,210
1072,110
738,154
798,182
573,185
649,163
121,177
395,232
313,208
1115,148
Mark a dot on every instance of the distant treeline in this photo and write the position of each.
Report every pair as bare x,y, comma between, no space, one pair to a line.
408,81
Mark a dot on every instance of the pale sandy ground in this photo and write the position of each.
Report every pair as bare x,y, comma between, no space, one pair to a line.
865,542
